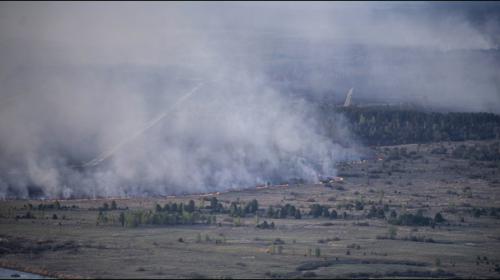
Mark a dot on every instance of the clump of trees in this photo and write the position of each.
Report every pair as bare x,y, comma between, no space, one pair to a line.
376,212
485,211
174,208
170,214
408,219
418,219
49,206
236,209
56,205
109,207
215,206
283,212
27,215
136,218
317,210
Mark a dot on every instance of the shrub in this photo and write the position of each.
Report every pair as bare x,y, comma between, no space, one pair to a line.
333,214
359,205
438,218
121,219
265,225
280,249
393,232
278,241
393,214
317,252
158,208
190,207
298,215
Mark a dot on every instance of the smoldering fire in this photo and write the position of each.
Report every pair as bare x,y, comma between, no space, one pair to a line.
78,80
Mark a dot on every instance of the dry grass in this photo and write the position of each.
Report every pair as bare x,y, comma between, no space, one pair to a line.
429,183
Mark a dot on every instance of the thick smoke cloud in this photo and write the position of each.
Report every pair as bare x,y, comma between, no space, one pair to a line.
76,79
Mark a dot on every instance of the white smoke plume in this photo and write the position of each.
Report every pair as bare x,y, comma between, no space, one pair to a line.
93,95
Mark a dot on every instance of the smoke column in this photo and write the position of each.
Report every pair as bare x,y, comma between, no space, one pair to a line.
89,83
152,123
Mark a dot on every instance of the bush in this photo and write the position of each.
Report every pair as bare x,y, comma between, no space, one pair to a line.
278,241
438,218
298,215
359,205
393,214
333,214
265,225
317,252
158,208
235,210
190,207
280,249
121,219
393,232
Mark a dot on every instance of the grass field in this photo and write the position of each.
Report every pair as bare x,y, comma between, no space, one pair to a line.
466,244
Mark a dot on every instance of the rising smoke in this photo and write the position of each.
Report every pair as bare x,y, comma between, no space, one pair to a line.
160,98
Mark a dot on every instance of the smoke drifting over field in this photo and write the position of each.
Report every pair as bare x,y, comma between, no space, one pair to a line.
76,79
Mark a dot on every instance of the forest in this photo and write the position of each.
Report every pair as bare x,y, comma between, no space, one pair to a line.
394,125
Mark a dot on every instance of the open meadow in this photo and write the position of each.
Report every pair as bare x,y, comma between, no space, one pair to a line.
424,210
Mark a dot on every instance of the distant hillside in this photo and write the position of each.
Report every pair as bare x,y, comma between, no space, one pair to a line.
388,125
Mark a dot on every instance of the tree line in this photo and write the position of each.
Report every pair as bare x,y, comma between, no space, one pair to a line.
388,125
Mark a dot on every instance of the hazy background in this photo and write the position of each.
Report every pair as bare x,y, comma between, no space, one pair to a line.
78,80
